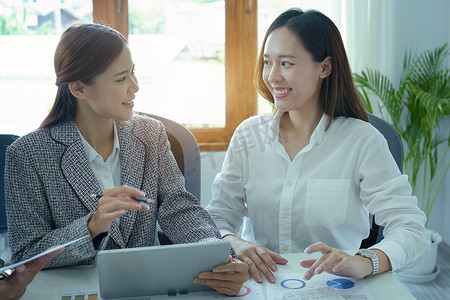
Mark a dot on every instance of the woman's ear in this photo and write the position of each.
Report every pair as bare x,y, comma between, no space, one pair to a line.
78,89
326,67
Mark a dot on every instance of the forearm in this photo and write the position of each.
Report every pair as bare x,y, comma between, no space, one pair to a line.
40,239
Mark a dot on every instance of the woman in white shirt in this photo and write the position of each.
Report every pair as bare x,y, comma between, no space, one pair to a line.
308,176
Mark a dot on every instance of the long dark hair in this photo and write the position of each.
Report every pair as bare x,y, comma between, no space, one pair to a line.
83,52
321,38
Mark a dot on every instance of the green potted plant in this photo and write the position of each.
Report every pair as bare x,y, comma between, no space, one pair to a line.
416,107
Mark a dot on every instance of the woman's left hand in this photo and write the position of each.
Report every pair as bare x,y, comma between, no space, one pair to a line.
226,279
336,262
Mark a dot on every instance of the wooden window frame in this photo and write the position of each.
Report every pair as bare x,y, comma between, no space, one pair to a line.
240,61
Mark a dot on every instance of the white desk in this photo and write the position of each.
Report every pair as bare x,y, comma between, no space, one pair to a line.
384,286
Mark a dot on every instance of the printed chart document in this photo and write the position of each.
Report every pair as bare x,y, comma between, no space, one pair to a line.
250,291
13,266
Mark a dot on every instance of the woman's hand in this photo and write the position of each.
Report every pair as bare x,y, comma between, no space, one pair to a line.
15,285
257,257
226,279
113,204
336,262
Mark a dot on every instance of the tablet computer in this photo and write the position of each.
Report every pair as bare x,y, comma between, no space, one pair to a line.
157,270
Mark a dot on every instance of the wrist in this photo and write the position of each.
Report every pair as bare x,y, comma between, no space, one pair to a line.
371,261
229,237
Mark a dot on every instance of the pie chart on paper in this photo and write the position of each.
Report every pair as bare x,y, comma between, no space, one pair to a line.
341,283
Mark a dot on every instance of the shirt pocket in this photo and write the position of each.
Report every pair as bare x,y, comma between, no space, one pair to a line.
326,202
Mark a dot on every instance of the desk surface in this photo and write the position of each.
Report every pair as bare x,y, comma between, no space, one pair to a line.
47,282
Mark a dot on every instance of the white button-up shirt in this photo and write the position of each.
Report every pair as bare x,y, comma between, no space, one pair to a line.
324,194
107,173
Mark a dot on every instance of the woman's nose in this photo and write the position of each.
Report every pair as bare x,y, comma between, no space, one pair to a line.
274,75
134,86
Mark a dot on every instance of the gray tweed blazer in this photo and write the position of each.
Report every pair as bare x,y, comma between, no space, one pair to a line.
48,183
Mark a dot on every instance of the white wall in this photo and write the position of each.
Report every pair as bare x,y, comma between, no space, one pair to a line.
417,23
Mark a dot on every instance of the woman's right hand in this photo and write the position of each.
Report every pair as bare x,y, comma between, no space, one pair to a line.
113,204
257,257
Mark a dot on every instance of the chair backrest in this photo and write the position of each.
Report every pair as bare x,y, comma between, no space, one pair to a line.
396,148
5,141
185,149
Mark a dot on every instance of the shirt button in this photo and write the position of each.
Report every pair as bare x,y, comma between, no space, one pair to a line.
285,249
289,183
285,216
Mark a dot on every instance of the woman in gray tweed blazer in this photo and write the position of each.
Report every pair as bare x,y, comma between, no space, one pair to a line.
52,173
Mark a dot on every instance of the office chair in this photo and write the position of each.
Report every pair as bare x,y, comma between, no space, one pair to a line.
5,141
185,149
396,147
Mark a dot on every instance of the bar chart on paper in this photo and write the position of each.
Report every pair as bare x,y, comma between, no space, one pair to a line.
250,291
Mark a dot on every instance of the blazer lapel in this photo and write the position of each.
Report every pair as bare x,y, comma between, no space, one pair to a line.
78,172
132,161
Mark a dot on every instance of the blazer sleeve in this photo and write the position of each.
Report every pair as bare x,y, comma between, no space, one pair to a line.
31,227
180,215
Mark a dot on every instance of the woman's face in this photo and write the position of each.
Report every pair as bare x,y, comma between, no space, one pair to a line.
111,95
290,73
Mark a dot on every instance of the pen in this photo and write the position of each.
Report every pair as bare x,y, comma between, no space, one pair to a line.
145,200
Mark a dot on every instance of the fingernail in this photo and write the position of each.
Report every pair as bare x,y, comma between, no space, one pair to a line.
271,279
307,250
319,270
258,279
196,280
306,276
274,268
202,275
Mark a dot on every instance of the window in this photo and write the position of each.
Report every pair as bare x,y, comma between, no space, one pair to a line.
29,34
233,93
208,88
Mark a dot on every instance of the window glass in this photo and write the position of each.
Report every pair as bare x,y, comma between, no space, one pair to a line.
30,31
178,47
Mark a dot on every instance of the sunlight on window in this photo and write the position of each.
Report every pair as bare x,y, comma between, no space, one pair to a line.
29,37
178,48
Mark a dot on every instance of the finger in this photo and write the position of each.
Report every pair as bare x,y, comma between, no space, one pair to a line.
112,204
329,263
307,263
312,270
124,190
278,258
225,290
252,268
42,261
229,287
225,276
261,265
266,256
318,247
233,266
344,263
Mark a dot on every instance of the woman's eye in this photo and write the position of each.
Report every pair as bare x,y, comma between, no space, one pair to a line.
122,79
286,63
266,63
